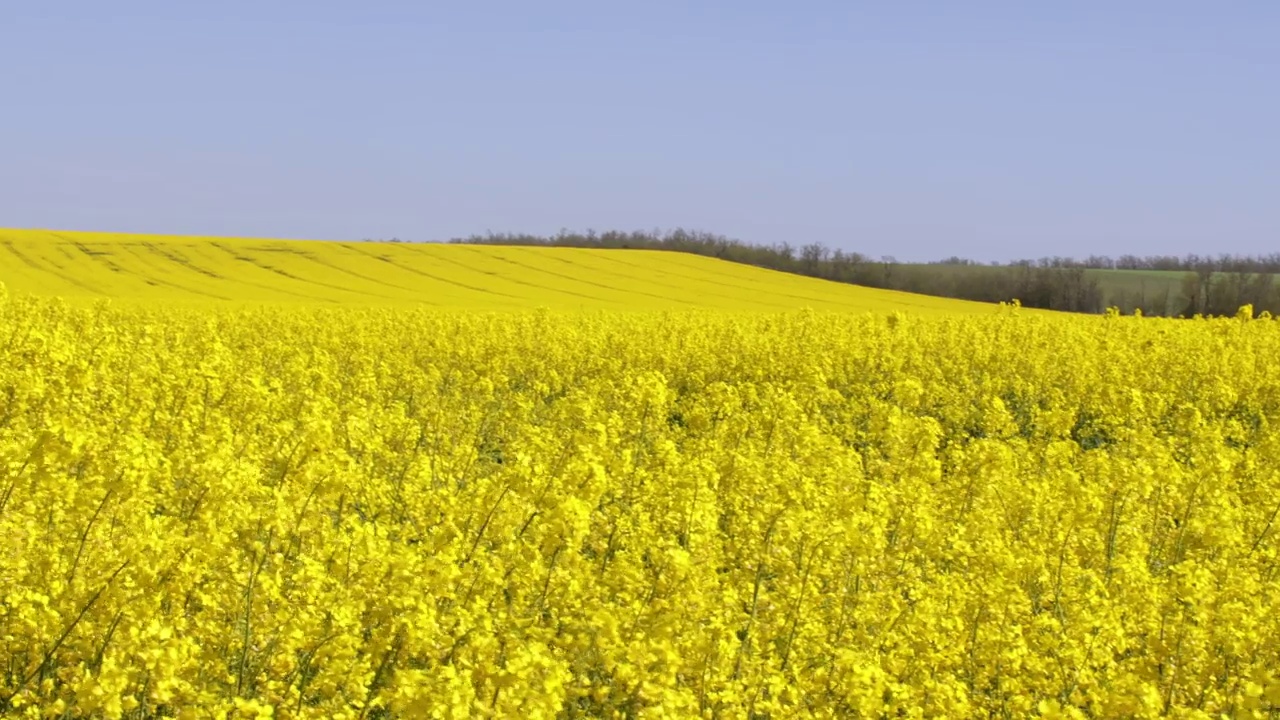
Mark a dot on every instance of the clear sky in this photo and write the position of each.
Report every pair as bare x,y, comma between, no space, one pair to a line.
992,130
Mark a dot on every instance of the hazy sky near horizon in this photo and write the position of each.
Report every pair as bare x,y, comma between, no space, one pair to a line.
991,130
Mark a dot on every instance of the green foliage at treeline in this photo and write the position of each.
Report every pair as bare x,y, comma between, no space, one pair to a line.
1158,285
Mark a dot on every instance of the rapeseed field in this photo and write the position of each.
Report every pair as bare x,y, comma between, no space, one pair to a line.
329,509
193,270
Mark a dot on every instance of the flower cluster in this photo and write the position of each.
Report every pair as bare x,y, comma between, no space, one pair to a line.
361,513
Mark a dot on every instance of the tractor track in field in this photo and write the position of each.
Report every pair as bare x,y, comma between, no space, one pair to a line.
256,262
565,276
106,259
725,284
22,256
98,256
518,281
651,281
60,271
423,273
272,288
146,260
179,258
333,266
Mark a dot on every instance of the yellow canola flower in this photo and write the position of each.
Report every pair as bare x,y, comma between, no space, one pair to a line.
367,512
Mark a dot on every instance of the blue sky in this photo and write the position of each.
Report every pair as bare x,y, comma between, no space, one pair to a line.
991,130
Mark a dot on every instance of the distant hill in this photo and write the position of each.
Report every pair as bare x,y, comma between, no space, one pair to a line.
79,265
1155,292
1158,284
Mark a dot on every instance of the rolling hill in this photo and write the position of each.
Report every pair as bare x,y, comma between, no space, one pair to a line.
184,269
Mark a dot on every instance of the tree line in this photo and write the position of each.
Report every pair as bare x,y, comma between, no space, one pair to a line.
1187,286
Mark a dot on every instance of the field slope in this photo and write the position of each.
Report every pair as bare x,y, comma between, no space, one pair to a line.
79,265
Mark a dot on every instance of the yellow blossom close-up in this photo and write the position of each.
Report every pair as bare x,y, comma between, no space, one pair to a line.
417,507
